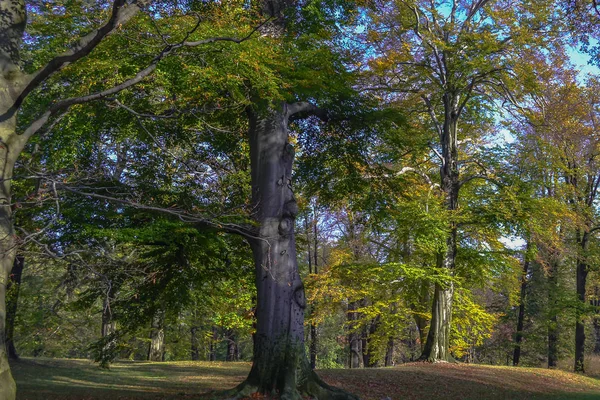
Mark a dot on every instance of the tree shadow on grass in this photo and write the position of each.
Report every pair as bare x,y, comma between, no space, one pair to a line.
51,379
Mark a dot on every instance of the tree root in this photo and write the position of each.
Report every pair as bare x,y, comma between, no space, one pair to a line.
314,389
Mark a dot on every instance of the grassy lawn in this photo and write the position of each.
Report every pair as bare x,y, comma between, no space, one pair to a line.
53,379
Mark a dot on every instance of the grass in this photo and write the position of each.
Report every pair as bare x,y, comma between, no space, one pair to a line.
53,379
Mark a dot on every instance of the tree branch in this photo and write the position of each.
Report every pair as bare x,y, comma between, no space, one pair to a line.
121,13
66,103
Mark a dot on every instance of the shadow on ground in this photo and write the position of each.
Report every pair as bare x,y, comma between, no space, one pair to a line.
53,379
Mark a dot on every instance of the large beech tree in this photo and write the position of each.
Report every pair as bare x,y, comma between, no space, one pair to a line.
16,84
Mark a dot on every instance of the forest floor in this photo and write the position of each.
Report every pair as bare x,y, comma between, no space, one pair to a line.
53,379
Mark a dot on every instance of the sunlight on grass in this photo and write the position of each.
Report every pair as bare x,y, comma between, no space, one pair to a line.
53,379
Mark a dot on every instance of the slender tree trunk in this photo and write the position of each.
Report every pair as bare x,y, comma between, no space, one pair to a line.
280,366
212,346
313,257
521,315
553,328
232,347
368,353
13,288
438,338
421,321
194,353
389,353
354,339
582,272
156,348
596,323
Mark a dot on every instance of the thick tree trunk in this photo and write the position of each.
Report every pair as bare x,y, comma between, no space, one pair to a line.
9,150
280,366
13,288
553,328
437,347
521,315
156,348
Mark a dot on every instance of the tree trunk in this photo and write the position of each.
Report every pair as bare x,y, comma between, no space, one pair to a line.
521,315
156,349
595,303
13,288
280,366
212,345
368,353
194,353
354,339
553,328
582,272
9,151
421,321
438,339
232,347
389,353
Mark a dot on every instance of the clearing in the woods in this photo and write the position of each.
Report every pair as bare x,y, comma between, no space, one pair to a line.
51,379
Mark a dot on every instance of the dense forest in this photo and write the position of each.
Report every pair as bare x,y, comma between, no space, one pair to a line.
300,184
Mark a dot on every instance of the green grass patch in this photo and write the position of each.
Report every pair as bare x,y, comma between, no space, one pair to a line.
53,379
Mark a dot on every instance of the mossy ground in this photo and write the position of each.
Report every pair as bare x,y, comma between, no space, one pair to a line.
53,379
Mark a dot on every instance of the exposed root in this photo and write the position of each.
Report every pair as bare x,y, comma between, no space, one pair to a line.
314,388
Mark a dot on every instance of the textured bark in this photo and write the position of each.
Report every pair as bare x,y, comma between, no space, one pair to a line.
156,348
280,366
13,289
521,315
553,328
438,338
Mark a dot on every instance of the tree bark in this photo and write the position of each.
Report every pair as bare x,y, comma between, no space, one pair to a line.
521,315
582,272
280,366
232,347
194,353
438,338
354,339
13,288
212,345
389,353
596,323
553,328
156,348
